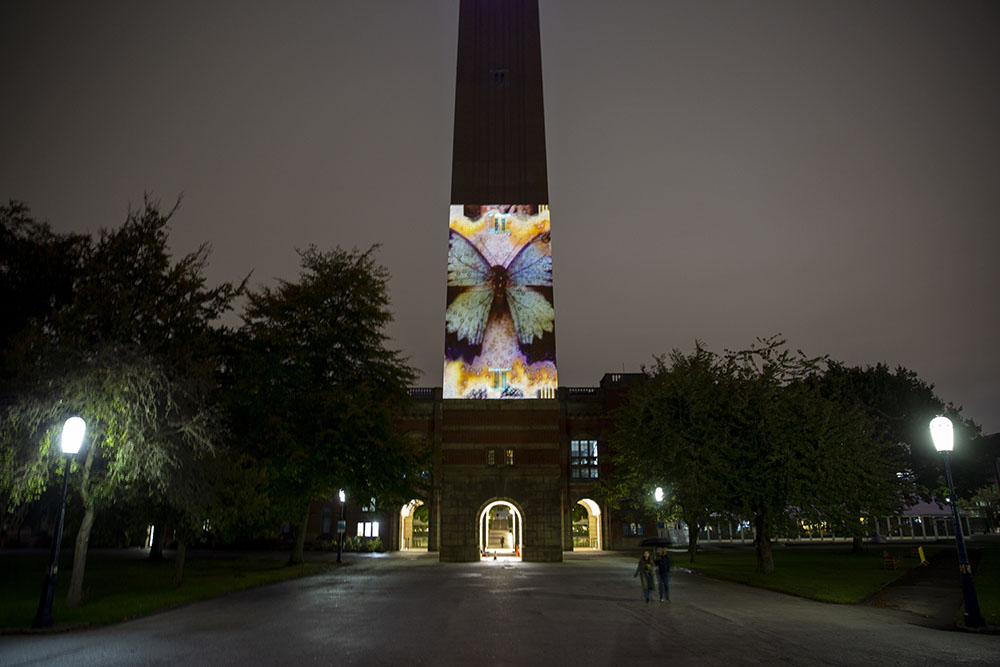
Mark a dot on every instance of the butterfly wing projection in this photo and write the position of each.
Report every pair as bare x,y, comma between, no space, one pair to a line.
532,265
467,314
532,313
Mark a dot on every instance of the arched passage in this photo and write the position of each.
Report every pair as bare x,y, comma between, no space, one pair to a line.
413,525
586,525
500,528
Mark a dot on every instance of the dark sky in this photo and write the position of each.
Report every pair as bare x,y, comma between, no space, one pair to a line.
719,171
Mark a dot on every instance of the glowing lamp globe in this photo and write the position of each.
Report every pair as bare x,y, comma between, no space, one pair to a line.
72,435
658,494
343,497
942,434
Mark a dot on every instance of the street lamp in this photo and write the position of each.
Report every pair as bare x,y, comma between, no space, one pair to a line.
341,525
944,442
72,438
658,497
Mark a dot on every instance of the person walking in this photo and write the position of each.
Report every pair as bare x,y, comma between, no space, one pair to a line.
644,570
663,573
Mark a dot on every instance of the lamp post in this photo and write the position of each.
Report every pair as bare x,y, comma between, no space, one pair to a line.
658,497
72,438
341,525
944,442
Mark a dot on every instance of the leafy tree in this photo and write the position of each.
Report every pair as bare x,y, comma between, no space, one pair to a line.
315,387
751,434
801,455
673,431
132,352
901,406
38,269
144,431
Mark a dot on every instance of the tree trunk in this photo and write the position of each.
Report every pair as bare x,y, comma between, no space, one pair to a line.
762,545
693,540
75,595
856,546
156,547
179,562
298,549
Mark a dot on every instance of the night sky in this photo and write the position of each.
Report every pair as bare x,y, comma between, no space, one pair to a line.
718,171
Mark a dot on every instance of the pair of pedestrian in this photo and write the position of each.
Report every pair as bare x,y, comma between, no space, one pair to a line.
645,569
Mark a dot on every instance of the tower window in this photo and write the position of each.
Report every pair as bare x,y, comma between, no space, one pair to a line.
499,77
491,457
508,457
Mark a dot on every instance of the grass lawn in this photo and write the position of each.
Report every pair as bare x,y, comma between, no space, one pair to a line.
829,575
117,588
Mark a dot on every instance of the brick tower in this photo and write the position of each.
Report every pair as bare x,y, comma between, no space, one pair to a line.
499,483
500,319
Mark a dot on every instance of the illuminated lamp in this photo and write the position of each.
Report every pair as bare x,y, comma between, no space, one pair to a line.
944,441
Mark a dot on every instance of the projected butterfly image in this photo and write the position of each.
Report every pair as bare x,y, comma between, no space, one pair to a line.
500,320
499,286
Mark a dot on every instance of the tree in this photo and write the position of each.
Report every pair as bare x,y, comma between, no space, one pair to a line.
901,406
132,352
801,455
315,388
750,434
673,431
38,269
145,430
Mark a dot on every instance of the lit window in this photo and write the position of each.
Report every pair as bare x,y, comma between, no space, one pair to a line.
491,457
632,530
583,459
508,457
367,528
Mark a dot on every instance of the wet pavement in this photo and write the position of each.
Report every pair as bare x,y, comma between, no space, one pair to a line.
929,594
408,609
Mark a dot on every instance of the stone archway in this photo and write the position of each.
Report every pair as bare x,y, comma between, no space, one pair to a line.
500,528
413,528
587,526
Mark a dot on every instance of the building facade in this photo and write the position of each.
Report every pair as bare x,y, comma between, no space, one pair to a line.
515,477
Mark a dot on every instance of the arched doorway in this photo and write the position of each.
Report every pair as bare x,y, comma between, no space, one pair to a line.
413,523
500,529
586,525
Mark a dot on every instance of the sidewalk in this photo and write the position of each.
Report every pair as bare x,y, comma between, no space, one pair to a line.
931,594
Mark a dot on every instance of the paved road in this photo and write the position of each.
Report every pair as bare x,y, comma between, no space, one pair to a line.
404,610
